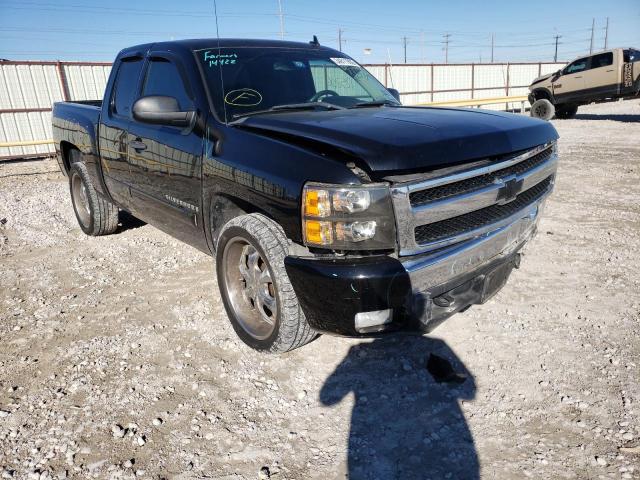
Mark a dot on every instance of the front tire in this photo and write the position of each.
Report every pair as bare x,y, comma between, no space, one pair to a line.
96,215
256,291
543,109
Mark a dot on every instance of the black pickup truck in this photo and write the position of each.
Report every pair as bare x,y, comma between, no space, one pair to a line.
328,206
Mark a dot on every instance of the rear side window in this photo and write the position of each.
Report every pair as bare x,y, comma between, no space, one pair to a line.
126,85
163,78
602,60
577,66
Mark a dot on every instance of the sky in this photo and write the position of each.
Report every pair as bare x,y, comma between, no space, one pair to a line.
373,31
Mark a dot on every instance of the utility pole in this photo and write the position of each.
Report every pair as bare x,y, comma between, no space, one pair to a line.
340,39
423,47
555,55
404,43
446,47
281,15
606,34
492,38
593,26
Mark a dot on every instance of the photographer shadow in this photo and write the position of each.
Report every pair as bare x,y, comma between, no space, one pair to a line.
406,422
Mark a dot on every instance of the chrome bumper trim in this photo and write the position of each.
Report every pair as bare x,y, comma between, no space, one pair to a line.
430,271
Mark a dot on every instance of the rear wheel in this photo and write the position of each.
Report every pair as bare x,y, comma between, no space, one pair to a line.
256,292
564,112
96,215
542,109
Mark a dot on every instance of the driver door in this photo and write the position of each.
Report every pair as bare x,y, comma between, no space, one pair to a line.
570,85
165,161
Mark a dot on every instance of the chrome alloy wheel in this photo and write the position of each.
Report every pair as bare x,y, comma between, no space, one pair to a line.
250,288
80,199
541,111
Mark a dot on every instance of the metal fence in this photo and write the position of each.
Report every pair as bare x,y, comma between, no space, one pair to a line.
420,83
27,92
29,88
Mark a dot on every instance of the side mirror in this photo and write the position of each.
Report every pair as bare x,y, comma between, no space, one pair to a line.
395,93
557,75
161,110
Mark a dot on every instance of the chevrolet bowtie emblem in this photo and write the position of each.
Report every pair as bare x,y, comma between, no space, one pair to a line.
509,191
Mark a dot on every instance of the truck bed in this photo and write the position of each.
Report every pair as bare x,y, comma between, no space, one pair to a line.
76,123
87,103
84,112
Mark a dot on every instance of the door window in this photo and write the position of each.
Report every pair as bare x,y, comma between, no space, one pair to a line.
126,85
163,78
577,66
602,60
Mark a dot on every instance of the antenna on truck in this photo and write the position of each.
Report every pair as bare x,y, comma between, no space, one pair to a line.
215,12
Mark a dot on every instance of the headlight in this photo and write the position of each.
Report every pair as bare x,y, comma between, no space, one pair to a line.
340,217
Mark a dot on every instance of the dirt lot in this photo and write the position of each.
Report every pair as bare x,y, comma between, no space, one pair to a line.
117,359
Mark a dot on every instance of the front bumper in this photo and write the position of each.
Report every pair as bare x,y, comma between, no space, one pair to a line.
422,290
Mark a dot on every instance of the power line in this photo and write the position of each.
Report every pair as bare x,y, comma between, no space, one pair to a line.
446,37
195,13
404,43
492,39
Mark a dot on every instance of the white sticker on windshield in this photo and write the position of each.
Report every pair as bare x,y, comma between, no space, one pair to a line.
344,62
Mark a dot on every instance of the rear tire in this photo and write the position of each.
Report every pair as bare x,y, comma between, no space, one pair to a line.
543,109
95,214
255,289
565,112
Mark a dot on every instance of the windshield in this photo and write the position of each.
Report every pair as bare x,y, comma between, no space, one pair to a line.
258,79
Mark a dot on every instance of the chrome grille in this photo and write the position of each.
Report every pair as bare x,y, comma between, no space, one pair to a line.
475,183
468,222
455,207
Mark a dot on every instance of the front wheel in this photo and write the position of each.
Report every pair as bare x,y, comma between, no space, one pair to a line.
256,292
543,109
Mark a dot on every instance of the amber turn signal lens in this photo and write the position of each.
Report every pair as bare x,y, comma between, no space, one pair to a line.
316,203
319,233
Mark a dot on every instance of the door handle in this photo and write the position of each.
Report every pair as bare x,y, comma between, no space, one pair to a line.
610,70
577,77
138,145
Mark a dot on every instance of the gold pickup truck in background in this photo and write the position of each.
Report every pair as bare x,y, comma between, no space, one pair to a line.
602,77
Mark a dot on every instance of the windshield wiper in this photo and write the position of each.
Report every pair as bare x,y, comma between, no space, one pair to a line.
376,103
308,106
290,106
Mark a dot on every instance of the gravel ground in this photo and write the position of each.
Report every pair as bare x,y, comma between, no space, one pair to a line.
118,361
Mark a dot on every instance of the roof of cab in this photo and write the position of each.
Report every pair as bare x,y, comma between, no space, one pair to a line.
203,43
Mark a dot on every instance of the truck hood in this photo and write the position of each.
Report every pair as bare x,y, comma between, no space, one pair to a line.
541,78
393,139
